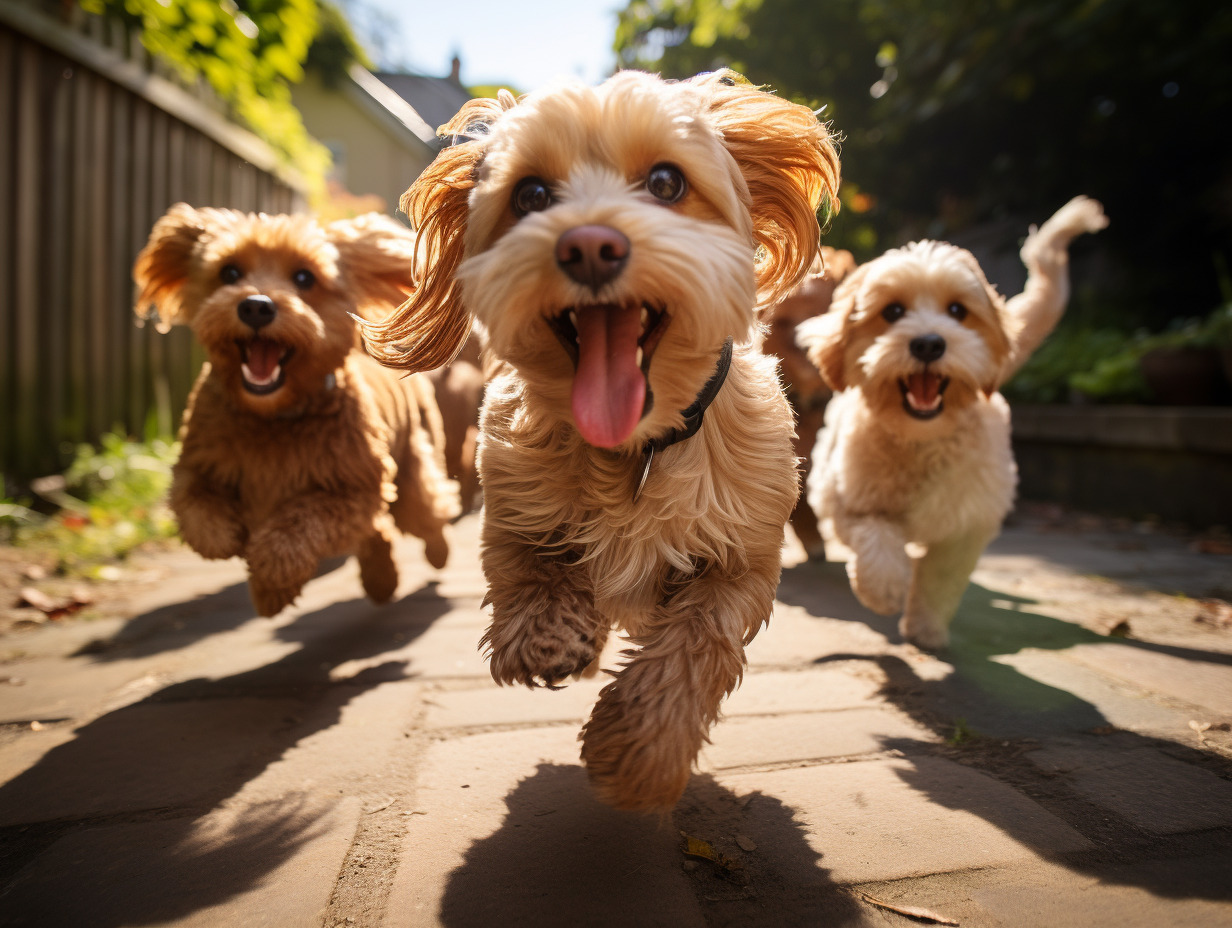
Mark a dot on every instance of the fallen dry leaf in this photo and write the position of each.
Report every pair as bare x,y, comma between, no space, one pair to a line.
1214,612
909,910
53,608
29,596
728,867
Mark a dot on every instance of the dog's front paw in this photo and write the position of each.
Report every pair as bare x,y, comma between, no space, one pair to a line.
278,568
924,632
880,584
556,640
270,599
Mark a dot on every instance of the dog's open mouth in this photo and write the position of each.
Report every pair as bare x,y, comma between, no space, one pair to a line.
923,394
611,347
261,365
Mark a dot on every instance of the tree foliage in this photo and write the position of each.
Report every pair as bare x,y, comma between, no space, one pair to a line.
956,115
247,51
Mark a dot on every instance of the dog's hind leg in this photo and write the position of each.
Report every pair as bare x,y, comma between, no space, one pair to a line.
650,722
377,571
426,501
938,581
284,554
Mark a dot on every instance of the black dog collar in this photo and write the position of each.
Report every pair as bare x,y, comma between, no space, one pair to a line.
693,416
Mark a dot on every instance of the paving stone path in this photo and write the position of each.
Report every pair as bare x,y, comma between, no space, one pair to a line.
1067,763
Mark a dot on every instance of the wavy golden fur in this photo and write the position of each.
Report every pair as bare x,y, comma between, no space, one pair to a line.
687,569
296,445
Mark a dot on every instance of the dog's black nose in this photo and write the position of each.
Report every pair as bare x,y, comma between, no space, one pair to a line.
592,255
256,311
927,347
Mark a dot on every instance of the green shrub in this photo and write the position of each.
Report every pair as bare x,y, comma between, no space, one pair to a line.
110,500
1103,364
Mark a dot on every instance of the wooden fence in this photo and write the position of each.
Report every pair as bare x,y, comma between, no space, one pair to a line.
94,147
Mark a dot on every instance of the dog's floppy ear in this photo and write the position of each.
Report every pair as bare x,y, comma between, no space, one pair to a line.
824,337
790,164
378,261
992,323
429,329
162,266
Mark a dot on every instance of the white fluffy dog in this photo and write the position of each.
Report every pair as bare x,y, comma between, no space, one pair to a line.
914,471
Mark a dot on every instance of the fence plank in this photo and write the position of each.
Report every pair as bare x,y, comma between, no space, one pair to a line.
8,335
32,438
100,147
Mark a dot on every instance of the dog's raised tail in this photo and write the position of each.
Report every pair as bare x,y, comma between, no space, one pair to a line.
1035,312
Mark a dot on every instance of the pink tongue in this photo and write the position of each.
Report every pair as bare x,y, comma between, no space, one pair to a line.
263,357
609,390
924,387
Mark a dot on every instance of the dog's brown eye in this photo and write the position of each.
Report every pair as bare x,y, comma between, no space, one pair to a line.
666,183
893,312
531,195
303,278
957,310
230,273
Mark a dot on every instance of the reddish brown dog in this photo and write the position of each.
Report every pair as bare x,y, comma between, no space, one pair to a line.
296,445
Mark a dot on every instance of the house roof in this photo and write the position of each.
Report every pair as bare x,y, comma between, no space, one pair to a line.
435,99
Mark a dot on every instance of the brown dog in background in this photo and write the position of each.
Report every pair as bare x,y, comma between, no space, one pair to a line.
802,382
296,445
459,387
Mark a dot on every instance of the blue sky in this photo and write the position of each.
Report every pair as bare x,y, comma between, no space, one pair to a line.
525,44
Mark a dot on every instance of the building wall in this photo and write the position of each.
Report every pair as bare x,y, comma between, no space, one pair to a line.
373,155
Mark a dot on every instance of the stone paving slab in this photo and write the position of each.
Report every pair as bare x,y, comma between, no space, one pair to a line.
766,740
1200,683
492,705
824,687
273,864
891,819
144,757
53,689
1190,892
1115,701
1157,793
511,835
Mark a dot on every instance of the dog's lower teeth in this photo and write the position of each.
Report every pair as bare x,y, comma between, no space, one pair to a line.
640,355
260,381
645,317
573,318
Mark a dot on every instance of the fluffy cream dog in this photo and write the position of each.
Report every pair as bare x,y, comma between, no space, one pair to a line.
914,470
615,241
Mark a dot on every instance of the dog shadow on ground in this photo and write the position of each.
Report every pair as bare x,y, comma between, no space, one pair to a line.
992,716
183,623
561,854
137,803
